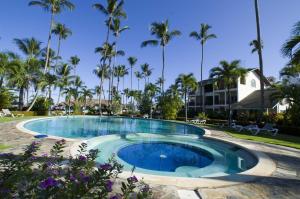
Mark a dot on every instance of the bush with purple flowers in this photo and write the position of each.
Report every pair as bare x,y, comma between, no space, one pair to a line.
53,176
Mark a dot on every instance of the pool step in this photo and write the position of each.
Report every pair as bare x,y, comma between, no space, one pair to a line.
187,194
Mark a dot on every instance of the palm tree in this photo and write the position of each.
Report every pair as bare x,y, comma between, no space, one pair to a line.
86,94
126,92
290,48
229,74
203,36
261,66
163,36
62,32
64,78
48,80
113,9
160,82
119,72
151,90
139,76
69,92
255,44
102,72
146,72
4,65
132,61
187,84
54,7
74,61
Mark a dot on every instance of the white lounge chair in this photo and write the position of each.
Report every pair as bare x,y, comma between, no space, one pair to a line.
198,121
146,116
7,113
236,127
250,127
1,114
268,127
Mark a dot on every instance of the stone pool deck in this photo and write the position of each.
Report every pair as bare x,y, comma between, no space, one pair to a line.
283,183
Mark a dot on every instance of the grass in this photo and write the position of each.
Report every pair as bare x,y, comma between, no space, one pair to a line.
10,119
2,147
279,139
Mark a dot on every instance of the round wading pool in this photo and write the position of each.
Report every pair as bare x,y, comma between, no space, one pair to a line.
164,156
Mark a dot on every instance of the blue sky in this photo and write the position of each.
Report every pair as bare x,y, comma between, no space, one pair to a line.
233,21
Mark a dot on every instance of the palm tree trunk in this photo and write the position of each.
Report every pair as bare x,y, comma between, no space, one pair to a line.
1,81
138,84
59,93
229,105
108,29
131,80
261,68
49,100
47,58
100,95
21,98
163,70
201,83
57,55
118,81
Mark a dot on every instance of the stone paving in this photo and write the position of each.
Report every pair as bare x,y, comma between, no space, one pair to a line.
283,183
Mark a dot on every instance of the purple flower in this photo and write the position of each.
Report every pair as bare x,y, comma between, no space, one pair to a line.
132,179
105,166
48,183
72,178
145,189
45,155
82,158
114,197
108,185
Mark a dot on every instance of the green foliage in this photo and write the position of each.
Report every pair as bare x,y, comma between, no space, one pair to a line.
5,98
30,176
116,105
145,104
170,106
42,105
202,116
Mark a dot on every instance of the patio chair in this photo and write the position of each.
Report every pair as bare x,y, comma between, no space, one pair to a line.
267,127
250,127
7,113
236,127
146,116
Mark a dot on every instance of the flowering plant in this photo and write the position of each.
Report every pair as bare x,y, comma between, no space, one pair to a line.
54,176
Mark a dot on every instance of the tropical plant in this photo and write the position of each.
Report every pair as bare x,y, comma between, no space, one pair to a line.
4,65
139,76
151,91
146,72
85,95
64,80
260,58
54,176
187,84
102,72
170,105
119,71
30,47
47,82
203,36
256,45
63,33
228,72
132,61
74,61
113,10
5,98
54,7
163,36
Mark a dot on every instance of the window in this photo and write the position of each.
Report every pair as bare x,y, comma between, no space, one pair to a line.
243,80
253,83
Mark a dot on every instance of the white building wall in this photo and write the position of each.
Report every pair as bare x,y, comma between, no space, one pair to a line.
246,89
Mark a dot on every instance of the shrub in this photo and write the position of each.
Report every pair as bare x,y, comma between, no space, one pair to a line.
41,105
5,98
202,116
53,176
170,106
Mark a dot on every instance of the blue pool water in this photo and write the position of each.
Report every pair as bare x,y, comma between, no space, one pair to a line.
93,126
164,156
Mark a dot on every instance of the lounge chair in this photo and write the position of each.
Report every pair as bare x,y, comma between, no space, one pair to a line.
146,116
198,121
268,127
236,127
7,113
1,114
250,127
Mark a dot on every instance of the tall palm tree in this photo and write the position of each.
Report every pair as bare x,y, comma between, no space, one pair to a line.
160,82
132,61
63,33
74,61
203,36
64,78
113,9
260,58
54,7
126,92
146,72
187,84
48,81
255,44
228,72
163,36
102,72
151,90
139,76
4,65
119,72
85,95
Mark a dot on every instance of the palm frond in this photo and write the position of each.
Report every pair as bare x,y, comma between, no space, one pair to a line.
287,48
101,8
195,35
149,43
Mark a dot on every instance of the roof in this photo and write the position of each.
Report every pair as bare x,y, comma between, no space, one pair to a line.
252,101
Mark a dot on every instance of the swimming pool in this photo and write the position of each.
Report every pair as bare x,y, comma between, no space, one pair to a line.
93,126
153,147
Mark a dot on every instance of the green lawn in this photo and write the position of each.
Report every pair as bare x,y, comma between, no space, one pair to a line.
9,119
2,147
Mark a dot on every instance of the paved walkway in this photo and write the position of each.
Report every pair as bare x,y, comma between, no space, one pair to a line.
283,183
